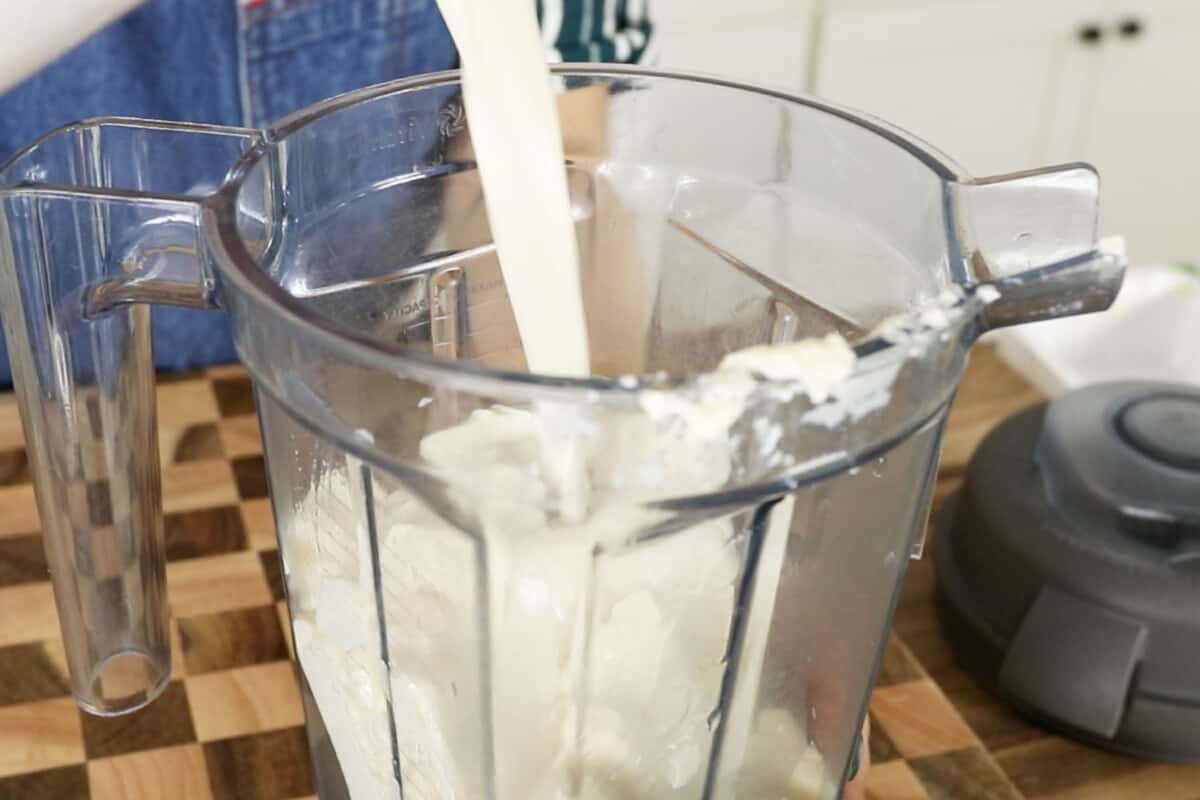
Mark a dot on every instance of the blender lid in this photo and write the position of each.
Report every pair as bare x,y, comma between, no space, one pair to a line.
1068,566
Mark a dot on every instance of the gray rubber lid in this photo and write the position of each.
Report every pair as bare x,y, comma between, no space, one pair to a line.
1069,566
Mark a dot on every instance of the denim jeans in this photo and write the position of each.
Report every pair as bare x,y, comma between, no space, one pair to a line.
227,62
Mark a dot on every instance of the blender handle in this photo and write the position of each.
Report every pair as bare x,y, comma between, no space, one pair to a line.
1032,237
96,221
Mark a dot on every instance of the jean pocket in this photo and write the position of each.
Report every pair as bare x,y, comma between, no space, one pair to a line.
299,52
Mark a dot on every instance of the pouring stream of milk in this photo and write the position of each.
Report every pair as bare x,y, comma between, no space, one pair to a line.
515,133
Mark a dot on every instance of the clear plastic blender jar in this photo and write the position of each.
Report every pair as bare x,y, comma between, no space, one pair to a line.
706,623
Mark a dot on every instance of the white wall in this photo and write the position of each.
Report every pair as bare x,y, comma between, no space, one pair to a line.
762,41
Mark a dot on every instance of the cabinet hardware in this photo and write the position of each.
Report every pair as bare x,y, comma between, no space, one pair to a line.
1130,28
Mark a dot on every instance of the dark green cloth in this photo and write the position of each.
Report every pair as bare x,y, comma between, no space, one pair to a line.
597,30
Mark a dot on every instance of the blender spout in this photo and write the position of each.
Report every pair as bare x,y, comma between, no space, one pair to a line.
1079,285
1031,236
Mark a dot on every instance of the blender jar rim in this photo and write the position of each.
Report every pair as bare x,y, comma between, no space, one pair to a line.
240,268
881,351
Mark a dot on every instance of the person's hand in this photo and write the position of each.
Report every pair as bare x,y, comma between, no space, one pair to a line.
856,788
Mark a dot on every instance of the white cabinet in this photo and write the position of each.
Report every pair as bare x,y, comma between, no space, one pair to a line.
1141,128
970,77
1002,85
759,41
998,85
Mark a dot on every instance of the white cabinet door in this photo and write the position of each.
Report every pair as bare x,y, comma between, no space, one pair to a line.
1142,130
975,78
758,41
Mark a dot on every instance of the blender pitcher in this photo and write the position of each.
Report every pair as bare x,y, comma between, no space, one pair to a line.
708,621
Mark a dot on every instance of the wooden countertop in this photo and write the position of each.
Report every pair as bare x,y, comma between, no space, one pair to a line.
230,724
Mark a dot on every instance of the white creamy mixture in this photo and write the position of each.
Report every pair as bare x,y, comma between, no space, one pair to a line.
599,662
613,699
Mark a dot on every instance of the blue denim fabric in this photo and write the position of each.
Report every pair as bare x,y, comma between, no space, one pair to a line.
211,61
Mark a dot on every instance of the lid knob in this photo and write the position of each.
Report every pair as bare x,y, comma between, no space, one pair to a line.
1126,457
1165,428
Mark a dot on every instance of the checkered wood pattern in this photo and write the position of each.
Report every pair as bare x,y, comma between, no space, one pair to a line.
229,726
